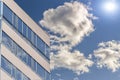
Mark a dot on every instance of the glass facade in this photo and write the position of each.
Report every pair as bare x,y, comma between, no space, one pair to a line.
23,56
31,37
12,70
26,32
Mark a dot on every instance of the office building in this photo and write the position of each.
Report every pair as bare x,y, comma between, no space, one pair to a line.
24,46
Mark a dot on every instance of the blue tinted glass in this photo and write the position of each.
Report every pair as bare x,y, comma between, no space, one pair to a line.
19,25
13,19
40,45
7,41
7,13
40,71
18,75
47,76
29,60
29,34
35,40
47,50
6,65
14,72
19,52
24,30
32,37
14,48
24,57
33,64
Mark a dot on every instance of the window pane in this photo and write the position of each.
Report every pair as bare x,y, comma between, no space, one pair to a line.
40,71
40,45
14,48
13,72
24,57
19,25
29,34
24,30
29,60
33,64
19,52
7,13
35,40
18,75
7,41
47,76
47,51
6,65
32,37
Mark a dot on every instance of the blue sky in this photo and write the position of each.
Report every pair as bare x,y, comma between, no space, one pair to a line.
106,29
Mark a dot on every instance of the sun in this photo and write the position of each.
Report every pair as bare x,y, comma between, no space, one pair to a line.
110,6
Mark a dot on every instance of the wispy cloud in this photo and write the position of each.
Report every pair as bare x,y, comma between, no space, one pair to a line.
108,55
69,24
74,61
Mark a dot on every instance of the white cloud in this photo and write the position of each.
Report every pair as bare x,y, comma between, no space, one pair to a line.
71,22
108,55
74,61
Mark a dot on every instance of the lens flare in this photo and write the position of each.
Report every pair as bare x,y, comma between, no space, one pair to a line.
110,6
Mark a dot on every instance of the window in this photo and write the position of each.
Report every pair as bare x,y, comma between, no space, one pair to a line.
24,57
12,70
7,41
32,38
47,51
40,71
20,25
40,45
6,65
47,75
14,48
7,13
35,40
29,34
19,52
18,75
29,61
24,30
33,64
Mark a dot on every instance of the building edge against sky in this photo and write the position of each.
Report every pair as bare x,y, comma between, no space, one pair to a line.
24,46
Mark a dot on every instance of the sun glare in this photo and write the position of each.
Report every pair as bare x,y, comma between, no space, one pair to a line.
110,6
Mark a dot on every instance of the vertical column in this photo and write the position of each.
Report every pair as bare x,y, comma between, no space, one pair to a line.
1,12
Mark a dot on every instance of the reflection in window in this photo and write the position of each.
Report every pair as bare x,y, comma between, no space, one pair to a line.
18,75
7,13
19,25
6,65
47,76
40,45
47,51
41,71
29,34
12,70
24,30
7,41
